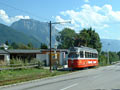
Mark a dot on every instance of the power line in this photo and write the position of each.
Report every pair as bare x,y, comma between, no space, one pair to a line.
24,11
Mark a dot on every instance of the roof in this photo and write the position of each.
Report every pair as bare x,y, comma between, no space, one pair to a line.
19,51
82,48
61,50
3,52
11,51
23,51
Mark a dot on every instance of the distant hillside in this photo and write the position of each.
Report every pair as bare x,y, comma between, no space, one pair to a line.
11,35
37,29
30,30
111,45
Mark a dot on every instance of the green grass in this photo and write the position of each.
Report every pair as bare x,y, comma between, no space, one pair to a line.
15,76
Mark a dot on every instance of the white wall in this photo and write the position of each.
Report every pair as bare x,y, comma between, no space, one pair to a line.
63,58
60,58
43,57
7,58
66,59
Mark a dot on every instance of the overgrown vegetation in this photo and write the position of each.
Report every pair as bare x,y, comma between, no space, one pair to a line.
23,63
107,58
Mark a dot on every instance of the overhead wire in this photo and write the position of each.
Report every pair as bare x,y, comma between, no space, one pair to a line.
24,11
29,13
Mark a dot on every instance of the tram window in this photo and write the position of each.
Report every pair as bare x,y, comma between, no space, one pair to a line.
81,54
73,55
89,55
96,55
86,54
92,55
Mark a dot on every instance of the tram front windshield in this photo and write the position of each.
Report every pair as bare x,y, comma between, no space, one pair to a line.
73,55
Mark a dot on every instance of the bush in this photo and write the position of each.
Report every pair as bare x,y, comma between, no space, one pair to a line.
102,60
20,62
17,62
34,61
37,61
40,64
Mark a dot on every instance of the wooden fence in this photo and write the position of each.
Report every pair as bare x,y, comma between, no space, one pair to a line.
16,66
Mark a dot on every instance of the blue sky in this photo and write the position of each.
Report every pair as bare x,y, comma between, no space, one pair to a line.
102,15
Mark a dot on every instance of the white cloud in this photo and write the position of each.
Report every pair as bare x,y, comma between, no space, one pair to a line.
10,20
94,16
58,18
86,1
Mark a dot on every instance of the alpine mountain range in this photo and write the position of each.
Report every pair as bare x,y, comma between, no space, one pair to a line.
36,32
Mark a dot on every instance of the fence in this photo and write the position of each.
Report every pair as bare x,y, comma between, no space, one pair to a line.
16,66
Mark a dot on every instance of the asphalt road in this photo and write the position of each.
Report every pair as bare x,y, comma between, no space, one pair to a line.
103,78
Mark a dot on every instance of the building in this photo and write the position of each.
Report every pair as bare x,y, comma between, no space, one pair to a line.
57,56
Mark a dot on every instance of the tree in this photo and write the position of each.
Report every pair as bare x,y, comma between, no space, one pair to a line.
82,38
103,59
113,57
22,46
6,42
118,54
66,38
89,38
43,46
30,45
14,45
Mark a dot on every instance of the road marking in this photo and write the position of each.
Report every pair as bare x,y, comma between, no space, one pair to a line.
69,86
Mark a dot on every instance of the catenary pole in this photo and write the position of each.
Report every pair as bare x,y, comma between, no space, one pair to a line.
50,46
50,25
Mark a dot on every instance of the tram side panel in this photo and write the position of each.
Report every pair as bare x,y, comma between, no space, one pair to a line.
82,63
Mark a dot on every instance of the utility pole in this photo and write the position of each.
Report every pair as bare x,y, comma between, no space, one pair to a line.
50,25
50,47
108,54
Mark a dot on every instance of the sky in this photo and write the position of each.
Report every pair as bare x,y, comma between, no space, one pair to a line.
102,15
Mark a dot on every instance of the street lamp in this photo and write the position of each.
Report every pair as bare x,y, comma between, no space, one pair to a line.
56,44
50,24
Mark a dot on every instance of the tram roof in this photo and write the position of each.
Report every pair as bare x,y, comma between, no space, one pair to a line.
82,48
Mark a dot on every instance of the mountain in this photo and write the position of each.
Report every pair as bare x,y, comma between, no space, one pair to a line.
29,30
37,29
9,34
110,45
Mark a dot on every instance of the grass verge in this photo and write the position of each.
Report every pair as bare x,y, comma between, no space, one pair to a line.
16,76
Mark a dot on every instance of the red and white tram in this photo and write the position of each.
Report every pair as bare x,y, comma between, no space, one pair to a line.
81,57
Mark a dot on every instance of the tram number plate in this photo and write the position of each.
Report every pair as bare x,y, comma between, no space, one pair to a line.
91,62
